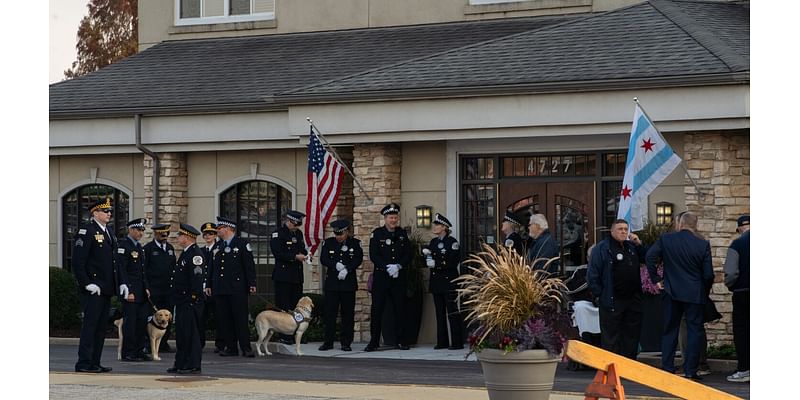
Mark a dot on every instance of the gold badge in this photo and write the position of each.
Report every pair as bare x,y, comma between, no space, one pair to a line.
99,238
135,254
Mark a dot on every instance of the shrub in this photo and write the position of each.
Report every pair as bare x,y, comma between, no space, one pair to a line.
64,303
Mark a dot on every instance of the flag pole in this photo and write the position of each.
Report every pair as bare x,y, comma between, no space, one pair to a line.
339,159
683,162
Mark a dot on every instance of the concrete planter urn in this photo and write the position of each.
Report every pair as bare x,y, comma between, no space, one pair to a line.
524,375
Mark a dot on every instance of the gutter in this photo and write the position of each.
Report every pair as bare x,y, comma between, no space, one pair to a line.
137,118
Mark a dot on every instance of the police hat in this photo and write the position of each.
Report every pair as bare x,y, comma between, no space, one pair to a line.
742,221
137,223
160,228
222,221
295,216
104,204
340,225
441,220
188,230
510,217
209,227
391,208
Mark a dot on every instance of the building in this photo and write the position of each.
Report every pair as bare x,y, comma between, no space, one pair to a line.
464,107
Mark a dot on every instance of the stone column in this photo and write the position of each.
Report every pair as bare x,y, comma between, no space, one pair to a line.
377,166
173,200
720,164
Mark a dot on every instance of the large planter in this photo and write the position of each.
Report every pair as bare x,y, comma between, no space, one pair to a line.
527,375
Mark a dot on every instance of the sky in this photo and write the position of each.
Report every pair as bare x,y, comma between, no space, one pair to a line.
65,16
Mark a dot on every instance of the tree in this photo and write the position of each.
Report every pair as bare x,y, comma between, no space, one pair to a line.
108,34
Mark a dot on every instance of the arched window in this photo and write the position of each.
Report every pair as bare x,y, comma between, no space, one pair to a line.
257,207
74,213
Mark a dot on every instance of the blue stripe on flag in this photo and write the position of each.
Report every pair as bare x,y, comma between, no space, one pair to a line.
641,125
652,166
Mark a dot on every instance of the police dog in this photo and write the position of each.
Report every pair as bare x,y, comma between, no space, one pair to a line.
295,323
156,327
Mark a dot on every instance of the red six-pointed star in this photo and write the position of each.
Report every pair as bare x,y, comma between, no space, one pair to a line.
647,145
626,192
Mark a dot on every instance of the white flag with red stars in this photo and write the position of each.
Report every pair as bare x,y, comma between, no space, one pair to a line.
650,161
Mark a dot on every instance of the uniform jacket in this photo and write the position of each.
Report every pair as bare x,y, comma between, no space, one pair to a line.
348,253
207,253
600,274
93,259
687,266
544,246
189,277
158,268
514,240
130,258
737,264
389,248
285,246
446,256
233,270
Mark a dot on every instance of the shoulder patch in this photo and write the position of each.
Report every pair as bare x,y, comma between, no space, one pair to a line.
81,231
79,242
121,250
250,249
197,260
274,234
455,246
371,235
509,243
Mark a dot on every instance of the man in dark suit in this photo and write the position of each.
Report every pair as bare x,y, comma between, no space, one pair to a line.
443,256
289,248
159,263
341,255
688,276
135,308
542,245
99,278
737,279
233,278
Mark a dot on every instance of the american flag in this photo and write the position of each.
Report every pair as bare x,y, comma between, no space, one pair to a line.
324,182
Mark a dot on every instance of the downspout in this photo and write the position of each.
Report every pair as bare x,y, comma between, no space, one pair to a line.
137,118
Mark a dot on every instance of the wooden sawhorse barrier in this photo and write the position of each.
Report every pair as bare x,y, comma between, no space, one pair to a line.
610,367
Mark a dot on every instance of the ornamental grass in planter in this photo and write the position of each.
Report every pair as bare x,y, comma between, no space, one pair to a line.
519,322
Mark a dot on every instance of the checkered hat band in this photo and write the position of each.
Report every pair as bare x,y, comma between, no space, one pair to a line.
293,219
226,223
391,210
511,220
137,226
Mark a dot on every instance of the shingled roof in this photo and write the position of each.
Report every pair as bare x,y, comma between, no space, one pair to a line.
657,43
239,73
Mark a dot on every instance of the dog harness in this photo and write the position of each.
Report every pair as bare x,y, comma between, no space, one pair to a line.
298,316
153,322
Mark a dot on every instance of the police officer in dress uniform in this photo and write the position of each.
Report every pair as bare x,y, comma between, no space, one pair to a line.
513,239
159,264
233,278
390,253
443,257
209,231
99,278
289,248
341,255
130,257
188,281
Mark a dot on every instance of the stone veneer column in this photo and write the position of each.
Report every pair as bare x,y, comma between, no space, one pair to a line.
377,166
173,202
720,164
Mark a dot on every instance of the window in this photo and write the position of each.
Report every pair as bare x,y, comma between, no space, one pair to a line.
195,12
257,207
74,213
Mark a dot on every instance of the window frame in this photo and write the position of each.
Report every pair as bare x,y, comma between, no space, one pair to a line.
223,19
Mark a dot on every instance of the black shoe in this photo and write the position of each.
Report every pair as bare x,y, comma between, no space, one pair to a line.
93,370
695,377
172,370
346,347
440,346
195,371
460,347
130,359
248,354
144,357
286,341
402,347
371,347
325,347
228,353
104,369
217,350
165,349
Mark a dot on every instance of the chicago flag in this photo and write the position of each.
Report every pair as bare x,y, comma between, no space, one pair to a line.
650,161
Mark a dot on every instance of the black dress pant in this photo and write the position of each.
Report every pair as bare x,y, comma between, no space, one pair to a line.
741,328
162,302
188,323
394,294
134,327
286,297
447,310
93,330
232,319
347,302
621,328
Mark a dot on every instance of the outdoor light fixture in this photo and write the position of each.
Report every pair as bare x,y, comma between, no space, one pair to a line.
424,216
664,213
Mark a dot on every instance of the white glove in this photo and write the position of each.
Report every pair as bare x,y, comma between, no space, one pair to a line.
391,269
342,274
93,289
123,291
430,263
426,252
339,266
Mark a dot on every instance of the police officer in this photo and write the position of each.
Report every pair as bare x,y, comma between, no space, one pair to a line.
289,248
209,230
442,257
233,278
513,239
130,257
188,281
99,278
159,264
390,253
341,255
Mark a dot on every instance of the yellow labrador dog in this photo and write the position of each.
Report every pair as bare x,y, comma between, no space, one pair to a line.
294,323
156,328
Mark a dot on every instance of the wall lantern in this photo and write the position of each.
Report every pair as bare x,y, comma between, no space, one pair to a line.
664,211
424,216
